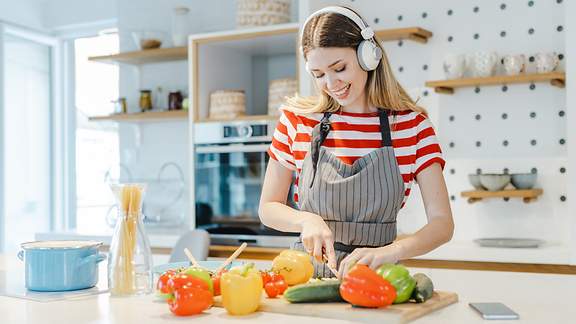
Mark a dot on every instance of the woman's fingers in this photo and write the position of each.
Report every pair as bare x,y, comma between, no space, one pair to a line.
330,254
308,244
318,249
347,262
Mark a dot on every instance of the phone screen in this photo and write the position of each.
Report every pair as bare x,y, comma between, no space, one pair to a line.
494,311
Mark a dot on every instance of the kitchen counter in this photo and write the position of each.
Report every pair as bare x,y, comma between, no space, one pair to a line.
538,298
549,253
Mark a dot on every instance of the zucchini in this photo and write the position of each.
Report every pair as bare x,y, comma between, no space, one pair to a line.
424,288
315,291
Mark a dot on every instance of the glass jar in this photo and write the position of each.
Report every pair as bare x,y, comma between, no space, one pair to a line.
145,100
180,26
130,257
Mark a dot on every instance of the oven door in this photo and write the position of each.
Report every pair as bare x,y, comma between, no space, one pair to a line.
229,180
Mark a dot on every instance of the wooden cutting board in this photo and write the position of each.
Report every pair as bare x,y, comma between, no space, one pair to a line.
402,313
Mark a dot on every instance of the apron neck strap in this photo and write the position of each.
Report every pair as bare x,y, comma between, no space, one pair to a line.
385,128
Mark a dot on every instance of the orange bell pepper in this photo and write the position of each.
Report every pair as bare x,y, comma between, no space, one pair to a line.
361,286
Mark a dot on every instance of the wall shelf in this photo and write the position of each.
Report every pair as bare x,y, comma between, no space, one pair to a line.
557,79
151,116
416,34
527,195
145,56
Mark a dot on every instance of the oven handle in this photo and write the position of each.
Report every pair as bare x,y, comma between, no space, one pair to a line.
232,148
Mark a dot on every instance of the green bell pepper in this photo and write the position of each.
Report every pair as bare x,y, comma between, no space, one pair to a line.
400,278
201,274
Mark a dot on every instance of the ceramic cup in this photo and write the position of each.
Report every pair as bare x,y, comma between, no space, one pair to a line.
514,64
546,62
482,64
454,65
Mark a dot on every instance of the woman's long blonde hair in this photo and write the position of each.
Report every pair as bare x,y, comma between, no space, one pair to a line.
382,89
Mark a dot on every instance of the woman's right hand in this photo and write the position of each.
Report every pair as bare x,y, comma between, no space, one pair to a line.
317,238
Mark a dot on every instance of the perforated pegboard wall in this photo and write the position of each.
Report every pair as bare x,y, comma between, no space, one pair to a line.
491,129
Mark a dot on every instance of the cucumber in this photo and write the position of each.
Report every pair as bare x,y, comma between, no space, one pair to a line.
424,288
315,291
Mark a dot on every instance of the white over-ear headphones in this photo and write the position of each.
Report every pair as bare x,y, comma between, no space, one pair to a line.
368,53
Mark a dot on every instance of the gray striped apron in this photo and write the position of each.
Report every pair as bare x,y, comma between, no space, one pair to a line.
358,202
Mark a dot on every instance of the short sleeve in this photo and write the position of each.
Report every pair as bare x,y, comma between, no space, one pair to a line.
428,149
281,147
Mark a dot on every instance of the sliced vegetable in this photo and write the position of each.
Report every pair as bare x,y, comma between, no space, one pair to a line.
361,286
317,291
294,266
400,278
241,289
424,288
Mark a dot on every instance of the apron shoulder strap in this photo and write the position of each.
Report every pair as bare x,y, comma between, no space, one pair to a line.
317,140
385,128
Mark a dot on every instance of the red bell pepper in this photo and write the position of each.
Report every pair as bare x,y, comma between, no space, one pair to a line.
361,286
190,295
216,282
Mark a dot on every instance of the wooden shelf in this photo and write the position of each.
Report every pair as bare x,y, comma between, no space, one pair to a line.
526,195
239,118
416,34
145,56
557,79
151,116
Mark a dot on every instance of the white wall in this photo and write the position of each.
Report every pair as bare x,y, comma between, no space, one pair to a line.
569,13
25,13
58,14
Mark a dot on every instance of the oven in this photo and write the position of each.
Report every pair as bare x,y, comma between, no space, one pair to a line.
230,162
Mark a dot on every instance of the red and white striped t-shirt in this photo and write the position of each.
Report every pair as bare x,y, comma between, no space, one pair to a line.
354,135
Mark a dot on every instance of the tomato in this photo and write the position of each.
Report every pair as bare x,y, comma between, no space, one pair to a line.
274,284
265,277
190,300
280,283
216,282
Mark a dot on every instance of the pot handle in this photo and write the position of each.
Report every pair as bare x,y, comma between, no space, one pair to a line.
93,258
21,255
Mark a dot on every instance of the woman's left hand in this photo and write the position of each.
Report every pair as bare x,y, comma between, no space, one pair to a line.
372,257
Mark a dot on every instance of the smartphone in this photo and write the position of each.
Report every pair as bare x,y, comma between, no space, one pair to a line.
494,311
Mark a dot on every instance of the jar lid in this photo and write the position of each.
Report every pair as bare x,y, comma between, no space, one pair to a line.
64,244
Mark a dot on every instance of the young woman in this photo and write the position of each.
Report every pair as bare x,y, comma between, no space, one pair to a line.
357,148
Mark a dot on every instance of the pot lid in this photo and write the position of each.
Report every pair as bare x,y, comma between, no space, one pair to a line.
60,244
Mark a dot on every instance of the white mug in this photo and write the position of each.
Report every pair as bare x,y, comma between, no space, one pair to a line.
454,65
514,64
546,62
482,63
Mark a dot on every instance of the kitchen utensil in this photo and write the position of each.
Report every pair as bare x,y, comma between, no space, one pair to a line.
148,39
334,271
494,182
514,64
393,314
60,265
454,65
482,63
232,257
546,62
523,180
191,258
505,242
474,180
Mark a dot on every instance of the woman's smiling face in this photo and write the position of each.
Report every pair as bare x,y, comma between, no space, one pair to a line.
336,72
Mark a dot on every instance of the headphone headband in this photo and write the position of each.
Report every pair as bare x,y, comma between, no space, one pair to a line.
365,30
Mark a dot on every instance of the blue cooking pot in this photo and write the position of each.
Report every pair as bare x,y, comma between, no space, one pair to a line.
61,265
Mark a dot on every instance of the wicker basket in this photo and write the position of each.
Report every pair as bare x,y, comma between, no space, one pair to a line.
250,13
277,91
227,104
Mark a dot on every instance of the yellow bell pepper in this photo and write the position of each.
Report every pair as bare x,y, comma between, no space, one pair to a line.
241,289
294,266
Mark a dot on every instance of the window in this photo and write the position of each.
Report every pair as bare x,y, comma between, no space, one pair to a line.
97,144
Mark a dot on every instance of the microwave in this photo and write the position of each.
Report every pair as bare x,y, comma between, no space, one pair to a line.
230,161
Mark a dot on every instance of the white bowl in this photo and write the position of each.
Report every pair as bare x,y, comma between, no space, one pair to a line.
523,180
494,182
474,180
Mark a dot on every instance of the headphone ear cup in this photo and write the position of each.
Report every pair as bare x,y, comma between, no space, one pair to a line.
369,55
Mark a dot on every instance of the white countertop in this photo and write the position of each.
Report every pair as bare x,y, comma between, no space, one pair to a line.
538,298
549,253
